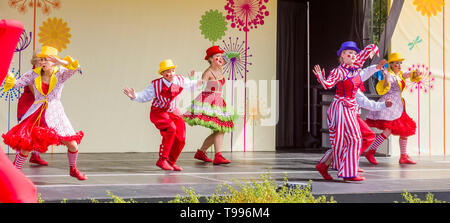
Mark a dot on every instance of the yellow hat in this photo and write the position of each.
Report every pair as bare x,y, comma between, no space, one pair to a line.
166,65
47,51
395,57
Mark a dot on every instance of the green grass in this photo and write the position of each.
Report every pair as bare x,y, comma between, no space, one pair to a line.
263,190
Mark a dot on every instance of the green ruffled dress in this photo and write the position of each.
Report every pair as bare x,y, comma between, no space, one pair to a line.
210,110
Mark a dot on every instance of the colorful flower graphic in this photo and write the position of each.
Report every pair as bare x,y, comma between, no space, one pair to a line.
24,42
236,57
425,85
246,14
428,7
213,25
44,5
55,32
421,85
234,54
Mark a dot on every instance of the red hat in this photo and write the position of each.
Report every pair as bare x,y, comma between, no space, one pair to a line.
212,50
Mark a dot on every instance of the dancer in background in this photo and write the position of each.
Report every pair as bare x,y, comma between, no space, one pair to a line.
164,113
393,120
45,123
345,134
24,103
210,110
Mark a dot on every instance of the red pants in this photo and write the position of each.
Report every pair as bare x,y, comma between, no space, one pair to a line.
368,136
173,132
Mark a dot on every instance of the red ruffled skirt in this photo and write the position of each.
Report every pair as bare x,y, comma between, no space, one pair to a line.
33,134
210,110
404,126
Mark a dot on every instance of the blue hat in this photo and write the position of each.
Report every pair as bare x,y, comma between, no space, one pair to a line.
349,45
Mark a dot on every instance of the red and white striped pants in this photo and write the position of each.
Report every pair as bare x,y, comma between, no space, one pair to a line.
345,136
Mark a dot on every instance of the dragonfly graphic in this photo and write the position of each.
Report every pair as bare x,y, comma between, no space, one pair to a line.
414,42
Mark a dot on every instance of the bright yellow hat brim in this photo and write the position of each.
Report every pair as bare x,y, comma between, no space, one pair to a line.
166,68
395,57
48,51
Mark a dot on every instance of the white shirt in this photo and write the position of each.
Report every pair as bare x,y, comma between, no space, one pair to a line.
368,104
149,93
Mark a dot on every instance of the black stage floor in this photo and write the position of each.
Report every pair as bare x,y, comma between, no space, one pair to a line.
134,175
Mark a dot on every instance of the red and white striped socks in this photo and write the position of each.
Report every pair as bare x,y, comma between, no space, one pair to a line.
377,142
20,160
403,143
72,156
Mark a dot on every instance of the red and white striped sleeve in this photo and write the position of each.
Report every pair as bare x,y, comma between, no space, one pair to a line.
336,75
364,54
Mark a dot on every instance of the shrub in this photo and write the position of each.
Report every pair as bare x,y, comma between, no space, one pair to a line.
265,190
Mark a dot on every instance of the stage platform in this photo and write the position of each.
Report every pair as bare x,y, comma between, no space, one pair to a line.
134,175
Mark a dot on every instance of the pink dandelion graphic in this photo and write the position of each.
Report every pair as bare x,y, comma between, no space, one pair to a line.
246,15
425,85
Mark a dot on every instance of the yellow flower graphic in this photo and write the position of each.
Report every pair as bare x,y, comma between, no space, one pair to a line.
428,7
54,32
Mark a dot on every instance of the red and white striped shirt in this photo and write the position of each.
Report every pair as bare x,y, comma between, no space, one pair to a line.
340,73
164,93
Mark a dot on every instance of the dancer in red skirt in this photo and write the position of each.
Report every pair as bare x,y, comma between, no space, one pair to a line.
393,120
45,123
164,113
210,110
24,103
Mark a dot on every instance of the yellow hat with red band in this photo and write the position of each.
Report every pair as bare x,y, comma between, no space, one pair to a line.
166,65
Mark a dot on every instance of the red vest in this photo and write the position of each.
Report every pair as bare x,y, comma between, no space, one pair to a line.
166,97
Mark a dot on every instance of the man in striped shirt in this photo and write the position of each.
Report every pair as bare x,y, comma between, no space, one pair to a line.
164,113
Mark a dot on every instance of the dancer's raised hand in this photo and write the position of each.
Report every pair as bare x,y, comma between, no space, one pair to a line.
129,92
318,72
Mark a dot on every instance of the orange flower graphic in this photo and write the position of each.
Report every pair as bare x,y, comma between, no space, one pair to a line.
54,32
428,7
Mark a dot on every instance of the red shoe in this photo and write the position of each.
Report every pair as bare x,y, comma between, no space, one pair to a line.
200,155
74,172
175,166
357,178
163,164
370,156
36,158
323,170
219,159
404,159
